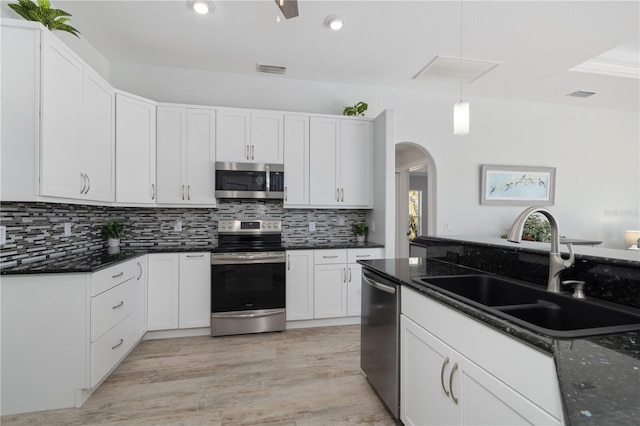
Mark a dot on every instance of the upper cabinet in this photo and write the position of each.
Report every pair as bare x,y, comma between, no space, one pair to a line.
246,136
296,160
59,114
135,149
186,155
341,163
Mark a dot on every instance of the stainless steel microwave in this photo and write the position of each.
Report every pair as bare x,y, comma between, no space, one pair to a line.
249,180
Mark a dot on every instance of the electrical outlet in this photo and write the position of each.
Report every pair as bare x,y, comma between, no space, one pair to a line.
67,229
373,227
177,226
3,235
312,227
340,220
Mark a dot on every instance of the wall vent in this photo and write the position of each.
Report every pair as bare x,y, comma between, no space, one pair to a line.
271,69
581,94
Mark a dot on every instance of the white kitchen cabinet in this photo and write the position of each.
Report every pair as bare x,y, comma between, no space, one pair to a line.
179,291
443,385
135,149
296,160
185,155
341,163
247,136
195,290
354,276
141,296
299,287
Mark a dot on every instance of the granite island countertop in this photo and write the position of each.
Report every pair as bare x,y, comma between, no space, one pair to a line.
599,376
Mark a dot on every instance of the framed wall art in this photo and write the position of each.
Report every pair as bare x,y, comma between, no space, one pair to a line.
517,185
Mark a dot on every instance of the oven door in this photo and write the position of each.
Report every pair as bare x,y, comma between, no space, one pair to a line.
247,292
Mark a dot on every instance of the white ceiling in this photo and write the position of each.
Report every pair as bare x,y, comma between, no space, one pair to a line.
384,43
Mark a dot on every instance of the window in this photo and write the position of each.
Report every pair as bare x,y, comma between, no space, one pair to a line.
415,214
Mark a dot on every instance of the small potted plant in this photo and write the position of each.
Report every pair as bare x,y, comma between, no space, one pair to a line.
357,109
361,231
113,231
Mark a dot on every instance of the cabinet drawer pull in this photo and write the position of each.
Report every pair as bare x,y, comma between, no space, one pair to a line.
118,345
246,152
182,192
342,198
119,305
252,151
329,257
153,191
338,194
453,370
195,255
188,192
349,274
444,365
363,255
117,275
139,269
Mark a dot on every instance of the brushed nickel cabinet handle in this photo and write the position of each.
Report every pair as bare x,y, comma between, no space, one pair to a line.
195,255
444,365
84,183
338,194
119,344
119,305
246,152
288,262
285,193
117,275
88,183
153,189
349,274
188,192
252,151
342,191
453,370
329,257
139,269
363,255
182,192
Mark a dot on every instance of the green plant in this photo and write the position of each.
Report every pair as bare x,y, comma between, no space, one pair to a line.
54,19
536,228
113,230
360,228
357,109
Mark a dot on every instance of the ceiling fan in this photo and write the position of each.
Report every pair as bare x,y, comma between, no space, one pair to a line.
289,8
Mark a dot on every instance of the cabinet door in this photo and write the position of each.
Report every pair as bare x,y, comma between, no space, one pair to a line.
330,291
97,150
195,290
141,296
356,163
424,377
162,291
200,173
266,137
324,138
296,160
232,135
62,80
135,150
171,154
299,279
354,289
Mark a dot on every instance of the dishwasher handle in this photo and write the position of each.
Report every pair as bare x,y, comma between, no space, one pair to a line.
379,286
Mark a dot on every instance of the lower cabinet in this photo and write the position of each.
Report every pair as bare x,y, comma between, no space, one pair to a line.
141,296
440,385
179,291
299,285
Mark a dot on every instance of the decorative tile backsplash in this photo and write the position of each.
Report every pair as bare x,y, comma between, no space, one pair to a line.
35,230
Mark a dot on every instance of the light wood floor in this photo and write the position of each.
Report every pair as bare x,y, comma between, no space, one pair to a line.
297,377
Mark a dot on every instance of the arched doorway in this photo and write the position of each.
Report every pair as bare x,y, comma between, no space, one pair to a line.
415,194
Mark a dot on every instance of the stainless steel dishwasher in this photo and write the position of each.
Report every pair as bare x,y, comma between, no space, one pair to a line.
380,337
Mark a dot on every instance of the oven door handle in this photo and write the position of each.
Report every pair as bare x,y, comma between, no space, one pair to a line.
248,316
227,259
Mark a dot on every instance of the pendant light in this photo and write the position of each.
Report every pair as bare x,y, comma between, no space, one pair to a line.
461,108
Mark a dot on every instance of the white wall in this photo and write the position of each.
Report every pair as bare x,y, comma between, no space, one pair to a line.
596,152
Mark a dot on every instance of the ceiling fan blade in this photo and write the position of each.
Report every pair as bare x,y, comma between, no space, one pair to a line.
289,8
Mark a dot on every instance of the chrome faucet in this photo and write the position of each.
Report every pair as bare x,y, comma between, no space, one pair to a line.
556,263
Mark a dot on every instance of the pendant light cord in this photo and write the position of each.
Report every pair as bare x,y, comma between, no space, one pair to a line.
460,50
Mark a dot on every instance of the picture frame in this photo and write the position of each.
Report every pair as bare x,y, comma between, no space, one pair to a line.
517,185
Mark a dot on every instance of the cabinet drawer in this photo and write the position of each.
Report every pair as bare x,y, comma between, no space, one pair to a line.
111,307
354,255
107,351
108,278
329,256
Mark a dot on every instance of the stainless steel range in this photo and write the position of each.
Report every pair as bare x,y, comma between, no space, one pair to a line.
248,278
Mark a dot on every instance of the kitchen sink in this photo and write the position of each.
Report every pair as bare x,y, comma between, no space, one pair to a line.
534,308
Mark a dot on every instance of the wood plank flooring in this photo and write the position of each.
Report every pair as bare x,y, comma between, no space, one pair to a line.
298,377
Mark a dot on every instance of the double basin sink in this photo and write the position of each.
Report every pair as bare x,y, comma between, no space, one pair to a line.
552,314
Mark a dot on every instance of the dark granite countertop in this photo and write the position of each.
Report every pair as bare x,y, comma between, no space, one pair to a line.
325,245
599,376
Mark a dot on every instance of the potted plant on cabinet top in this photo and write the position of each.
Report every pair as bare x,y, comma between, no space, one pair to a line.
113,231
361,231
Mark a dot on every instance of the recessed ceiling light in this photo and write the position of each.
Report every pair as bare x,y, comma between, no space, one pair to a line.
334,22
201,7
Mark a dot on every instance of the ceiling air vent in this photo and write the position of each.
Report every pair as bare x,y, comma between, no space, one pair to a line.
271,69
581,94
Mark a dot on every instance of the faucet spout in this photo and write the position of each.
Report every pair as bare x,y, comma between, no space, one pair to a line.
556,263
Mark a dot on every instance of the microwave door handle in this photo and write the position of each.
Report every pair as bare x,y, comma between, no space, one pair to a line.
267,168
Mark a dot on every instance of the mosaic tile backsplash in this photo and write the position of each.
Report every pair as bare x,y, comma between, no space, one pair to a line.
35,230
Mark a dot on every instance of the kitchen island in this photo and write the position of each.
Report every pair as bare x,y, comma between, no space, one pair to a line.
599,377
